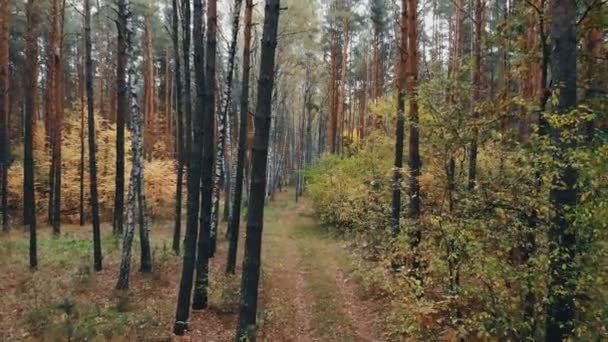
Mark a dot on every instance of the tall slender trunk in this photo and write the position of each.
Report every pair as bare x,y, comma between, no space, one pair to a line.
5,151
180,130
235,219
29,202
221,154
91,123
186,31
194,170
402,80
479,27
414,136
561,309
199,301
253,242
150,124
121,113
82,146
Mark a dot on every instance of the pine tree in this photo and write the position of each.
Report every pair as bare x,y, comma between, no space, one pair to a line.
92,148
253,243
235,219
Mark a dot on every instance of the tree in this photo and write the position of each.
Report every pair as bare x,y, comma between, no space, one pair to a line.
402,80
561,308
91,123
235,218
186,22
194,171
477,79
414,136
54,113
29,202
136,182
222,147
121,113
5,152
180,129
255,222
199,301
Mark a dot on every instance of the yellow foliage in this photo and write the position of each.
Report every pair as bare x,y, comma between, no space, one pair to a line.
159,174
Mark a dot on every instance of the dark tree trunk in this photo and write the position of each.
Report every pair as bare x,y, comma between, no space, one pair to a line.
562,239
194,169
414,139
186,22
81,165
199,300
477,75
223,133
235,219
401,81
253,243
29,202
180,131
121,113
92,147
5,151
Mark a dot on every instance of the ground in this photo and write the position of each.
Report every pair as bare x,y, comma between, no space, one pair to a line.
307,293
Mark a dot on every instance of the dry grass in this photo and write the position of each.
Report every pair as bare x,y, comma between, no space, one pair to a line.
67,298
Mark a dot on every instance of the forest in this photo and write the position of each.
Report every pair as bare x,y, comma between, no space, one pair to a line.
304,170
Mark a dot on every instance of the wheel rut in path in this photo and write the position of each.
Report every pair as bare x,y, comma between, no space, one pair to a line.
307,292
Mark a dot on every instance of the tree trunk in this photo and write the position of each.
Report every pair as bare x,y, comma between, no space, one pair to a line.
401,83
414,140
220,162
194,169
253,244
82,146
121,113
188,129
200,299
479,27
180,131
561,308
92,147
235,219
29,202
5,151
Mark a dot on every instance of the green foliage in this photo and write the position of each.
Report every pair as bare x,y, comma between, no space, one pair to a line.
485,257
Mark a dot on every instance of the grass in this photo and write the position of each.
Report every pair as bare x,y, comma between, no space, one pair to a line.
66,298
317,246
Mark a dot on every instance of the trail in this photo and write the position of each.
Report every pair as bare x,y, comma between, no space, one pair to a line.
307,291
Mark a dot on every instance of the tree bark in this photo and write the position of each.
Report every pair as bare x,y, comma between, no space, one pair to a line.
180,131
414,136
253,243
194,169
92,148
561,308
5,151
401,83
121,113
29,202
220,162
200,299
235,219
188,129
472,172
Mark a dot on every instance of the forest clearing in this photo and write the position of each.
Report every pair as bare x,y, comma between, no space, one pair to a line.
304,170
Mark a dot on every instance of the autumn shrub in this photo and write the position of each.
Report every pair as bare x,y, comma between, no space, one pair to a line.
484,252
159,174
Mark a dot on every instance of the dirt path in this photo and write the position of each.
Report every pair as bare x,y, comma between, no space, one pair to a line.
308,294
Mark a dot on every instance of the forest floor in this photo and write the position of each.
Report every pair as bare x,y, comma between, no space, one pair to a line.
307,292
